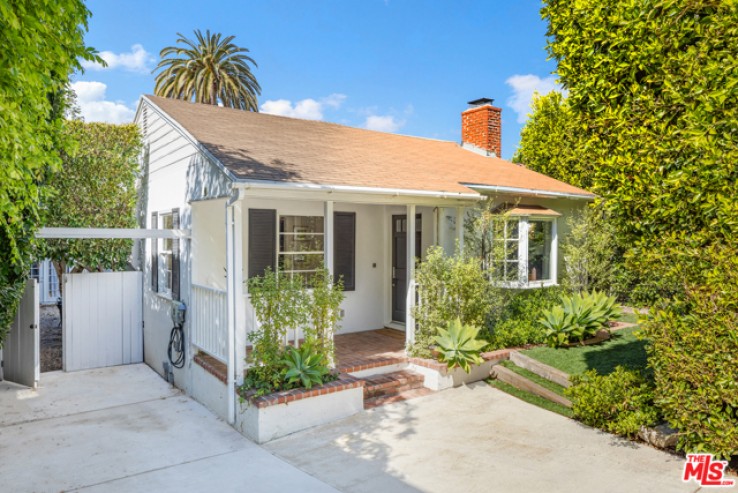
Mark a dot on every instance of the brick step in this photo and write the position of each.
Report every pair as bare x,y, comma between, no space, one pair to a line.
405,395
386,384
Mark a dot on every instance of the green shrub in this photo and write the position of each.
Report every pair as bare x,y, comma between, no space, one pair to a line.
517,324
694,354
579,317
620,402
449,287
305,366
281,304
459,345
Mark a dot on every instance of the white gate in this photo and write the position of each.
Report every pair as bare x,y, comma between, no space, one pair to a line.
102,319
20,354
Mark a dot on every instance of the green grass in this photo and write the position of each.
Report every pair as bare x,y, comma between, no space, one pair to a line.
622,349
548,384
531,398
629,317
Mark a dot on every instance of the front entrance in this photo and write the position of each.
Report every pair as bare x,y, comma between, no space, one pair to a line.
399,263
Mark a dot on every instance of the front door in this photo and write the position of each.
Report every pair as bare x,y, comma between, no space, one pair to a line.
21,352
399,263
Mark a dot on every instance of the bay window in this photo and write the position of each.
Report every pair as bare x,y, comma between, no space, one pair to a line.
523,249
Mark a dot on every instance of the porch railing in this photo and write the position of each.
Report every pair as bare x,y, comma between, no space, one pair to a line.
209,315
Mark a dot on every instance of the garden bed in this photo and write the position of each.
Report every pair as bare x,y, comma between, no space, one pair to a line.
272,416
439,377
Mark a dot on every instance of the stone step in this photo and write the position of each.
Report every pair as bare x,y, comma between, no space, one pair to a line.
387,384
510,377
405,395
542,370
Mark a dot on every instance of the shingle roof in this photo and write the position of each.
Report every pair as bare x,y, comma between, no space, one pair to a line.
257,146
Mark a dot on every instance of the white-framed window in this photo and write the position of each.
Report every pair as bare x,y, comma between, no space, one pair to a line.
300,247
165,255
524,252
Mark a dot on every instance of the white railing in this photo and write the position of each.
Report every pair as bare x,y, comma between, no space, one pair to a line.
209,314
410,302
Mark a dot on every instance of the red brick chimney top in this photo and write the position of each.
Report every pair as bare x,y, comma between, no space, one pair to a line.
481,127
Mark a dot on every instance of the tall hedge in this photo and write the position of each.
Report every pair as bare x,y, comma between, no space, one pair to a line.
653,85
94,188
42,42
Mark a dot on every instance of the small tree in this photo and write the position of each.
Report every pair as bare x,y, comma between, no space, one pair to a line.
590,254
551,141
449,287
96,187
43,44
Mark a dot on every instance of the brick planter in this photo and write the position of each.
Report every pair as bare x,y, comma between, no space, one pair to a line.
439,377
276,415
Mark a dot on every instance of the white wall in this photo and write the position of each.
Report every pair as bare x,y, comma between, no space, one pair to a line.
174,173
209,243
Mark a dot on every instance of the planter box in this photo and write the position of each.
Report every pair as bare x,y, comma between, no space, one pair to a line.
439,377
276,415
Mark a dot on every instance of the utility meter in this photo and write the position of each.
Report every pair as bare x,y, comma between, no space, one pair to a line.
179,310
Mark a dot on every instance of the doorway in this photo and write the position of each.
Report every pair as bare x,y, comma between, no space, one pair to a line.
399,262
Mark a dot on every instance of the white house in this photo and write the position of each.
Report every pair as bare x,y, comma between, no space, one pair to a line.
255,190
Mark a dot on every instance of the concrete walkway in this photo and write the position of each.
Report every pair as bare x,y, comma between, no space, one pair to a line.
477,439
125,429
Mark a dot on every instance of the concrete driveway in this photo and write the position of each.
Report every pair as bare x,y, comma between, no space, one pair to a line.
473,439
125,429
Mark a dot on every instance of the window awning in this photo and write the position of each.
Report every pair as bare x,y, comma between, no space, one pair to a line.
524,210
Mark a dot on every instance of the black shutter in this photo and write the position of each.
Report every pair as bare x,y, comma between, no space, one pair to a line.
262,241
175,256
344,249
154,254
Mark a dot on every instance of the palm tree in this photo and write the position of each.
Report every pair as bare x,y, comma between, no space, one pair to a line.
208,70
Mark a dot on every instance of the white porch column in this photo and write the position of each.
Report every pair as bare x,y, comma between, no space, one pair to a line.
554,251
328,235
460,227
410,274
234,295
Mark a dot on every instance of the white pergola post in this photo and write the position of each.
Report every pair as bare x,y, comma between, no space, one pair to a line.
410,274
460,227
554,251
328,235
234,296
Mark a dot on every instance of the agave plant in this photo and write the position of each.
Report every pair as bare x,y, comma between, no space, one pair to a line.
579,317
305,366
459,345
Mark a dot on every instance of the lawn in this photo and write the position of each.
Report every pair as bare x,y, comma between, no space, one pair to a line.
624,348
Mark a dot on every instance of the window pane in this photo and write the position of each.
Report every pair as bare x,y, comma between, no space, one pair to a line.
539,250
511,271
301,243
301,224
302,262
511,250
166,221
512,230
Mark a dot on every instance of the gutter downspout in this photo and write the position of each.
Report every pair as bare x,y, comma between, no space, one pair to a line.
232,305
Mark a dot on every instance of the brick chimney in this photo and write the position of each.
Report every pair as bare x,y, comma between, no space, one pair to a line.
481,127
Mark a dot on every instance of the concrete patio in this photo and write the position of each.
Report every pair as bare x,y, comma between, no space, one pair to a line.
125,429
476,438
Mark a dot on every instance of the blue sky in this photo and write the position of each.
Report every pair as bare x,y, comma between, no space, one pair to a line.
401,66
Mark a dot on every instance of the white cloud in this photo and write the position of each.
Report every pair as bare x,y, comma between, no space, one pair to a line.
383,123
136,60
306,109
524,86
94,107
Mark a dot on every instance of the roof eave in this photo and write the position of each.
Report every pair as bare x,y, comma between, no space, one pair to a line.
530,192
